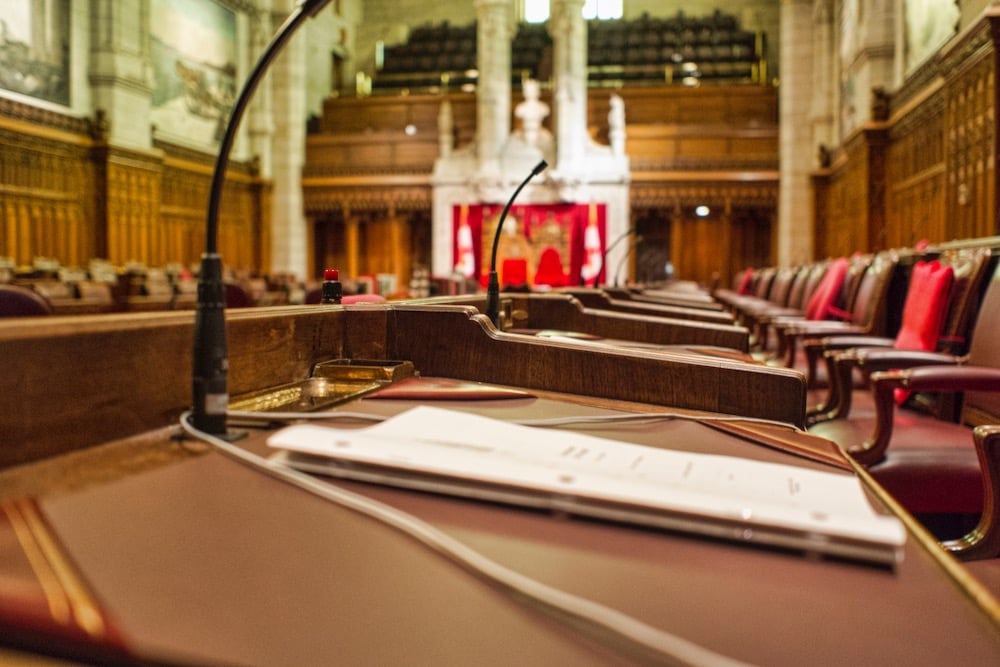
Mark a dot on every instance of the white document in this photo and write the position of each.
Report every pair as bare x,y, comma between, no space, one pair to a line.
722,496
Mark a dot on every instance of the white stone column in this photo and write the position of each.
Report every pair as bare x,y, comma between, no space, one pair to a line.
289,241
824,99
493,92
797,151
120,73
260,119
872,64
569,64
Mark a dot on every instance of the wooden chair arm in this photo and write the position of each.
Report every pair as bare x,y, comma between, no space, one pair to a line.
925,378
984,540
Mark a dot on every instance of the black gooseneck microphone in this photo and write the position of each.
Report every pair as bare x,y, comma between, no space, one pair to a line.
211,358
493,286
604,256
628,253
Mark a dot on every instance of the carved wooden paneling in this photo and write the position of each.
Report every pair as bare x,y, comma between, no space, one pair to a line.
374,153
244,212
132,193
68,195
851,223
970,122
939,180
46,192
915,176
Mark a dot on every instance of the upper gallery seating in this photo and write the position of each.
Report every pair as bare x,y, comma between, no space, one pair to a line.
680,49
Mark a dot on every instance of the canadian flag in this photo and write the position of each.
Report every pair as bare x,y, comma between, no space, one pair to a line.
466,264
592,253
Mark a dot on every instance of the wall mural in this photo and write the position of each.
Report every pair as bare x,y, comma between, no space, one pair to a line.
849,28
929,24
193,49
34,49
547,244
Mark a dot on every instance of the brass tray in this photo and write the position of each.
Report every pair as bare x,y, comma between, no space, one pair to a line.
332,382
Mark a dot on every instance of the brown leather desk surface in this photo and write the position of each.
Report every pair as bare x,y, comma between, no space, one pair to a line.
206,560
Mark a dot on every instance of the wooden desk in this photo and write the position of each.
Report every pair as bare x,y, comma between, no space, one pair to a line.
193,557
559,310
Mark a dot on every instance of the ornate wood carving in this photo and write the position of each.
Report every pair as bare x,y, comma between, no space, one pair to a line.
66,194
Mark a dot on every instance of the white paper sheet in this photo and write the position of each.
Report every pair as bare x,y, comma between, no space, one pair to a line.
818,505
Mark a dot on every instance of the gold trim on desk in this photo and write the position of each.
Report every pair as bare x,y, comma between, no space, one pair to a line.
66,595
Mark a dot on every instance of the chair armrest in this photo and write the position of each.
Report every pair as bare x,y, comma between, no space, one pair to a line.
788,337
847,341
818,347
952,378
925,378
840,365
983,541
873,359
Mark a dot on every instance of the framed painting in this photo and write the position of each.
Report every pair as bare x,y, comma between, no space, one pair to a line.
193,50
34,49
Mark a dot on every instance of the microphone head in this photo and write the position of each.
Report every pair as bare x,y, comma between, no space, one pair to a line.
539,168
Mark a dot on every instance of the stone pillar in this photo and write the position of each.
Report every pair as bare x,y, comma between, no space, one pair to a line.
120,72
569,64
446,129
493,92
824,99
289,242
795,221
260,120
872,64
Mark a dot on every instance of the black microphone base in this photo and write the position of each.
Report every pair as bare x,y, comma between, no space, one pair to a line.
211,360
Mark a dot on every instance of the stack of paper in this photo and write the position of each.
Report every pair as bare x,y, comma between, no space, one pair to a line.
726,497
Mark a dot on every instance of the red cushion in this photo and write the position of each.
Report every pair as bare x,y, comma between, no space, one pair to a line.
924,310
822,301
514,272
550,269
925,307
746,281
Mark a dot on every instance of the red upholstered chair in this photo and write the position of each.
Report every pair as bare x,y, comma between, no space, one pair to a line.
17,301
746,282
514,271
821,304
550,269
865,314
829,289
237,296
941,301
929,464
784,301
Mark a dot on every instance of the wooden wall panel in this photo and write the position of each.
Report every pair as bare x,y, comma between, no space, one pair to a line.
854,217
66,194
970,122
133,201
915,175
47,193
940,144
